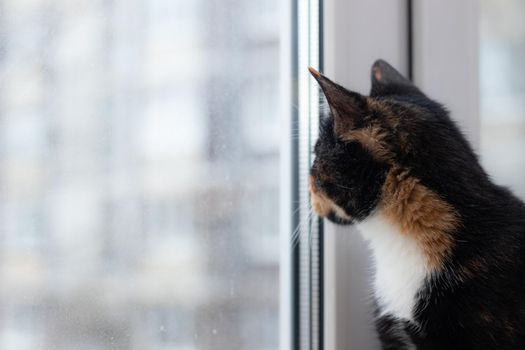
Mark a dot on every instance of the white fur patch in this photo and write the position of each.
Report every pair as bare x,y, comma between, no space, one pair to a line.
400,266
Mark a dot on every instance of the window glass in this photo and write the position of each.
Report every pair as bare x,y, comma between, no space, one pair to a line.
139,174
502,80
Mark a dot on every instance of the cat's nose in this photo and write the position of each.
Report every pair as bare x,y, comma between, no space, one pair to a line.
311,187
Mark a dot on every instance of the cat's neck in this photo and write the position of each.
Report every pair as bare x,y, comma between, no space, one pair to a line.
400,263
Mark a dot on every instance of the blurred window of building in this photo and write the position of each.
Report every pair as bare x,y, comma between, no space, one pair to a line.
502,84
139,174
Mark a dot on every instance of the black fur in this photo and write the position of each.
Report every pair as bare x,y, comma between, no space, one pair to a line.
354,179
484,310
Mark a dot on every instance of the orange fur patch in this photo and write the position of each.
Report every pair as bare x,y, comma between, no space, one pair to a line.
377,105
323,205
420,212
393,120
372,138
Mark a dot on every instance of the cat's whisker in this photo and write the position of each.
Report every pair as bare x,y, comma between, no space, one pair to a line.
341,186
295,235
298,234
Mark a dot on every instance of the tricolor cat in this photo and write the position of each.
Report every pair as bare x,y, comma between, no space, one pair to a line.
448,244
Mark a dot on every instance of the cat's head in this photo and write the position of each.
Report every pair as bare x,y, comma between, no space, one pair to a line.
395,148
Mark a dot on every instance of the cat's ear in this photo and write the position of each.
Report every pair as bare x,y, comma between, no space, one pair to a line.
348,107
386,80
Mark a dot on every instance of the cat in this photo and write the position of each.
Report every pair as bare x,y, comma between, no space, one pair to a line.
448,244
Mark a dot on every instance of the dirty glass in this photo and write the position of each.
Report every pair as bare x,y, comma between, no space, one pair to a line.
139,174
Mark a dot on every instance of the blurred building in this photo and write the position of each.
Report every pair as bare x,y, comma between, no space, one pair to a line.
139,177
502,91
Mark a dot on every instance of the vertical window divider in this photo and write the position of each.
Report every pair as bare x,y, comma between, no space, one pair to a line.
307,281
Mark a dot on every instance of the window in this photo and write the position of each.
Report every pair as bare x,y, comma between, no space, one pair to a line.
141,171
502,86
